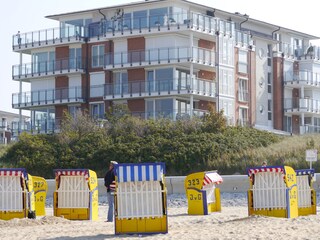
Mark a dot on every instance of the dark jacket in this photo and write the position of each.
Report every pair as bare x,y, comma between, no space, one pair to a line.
109,180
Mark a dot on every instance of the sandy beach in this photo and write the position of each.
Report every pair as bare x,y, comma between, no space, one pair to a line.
231,223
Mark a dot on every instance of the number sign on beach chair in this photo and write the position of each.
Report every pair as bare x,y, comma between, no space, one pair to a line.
16,194
273,191
140,198
76,194
202,194
307,202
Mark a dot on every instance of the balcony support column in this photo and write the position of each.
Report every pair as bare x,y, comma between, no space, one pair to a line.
20,94
191,105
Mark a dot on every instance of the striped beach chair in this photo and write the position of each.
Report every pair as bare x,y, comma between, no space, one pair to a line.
16,194
76,194
273,191
140,198
307,201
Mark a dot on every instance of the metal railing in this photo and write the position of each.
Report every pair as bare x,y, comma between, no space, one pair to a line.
160,87
299,52
46,97
48,36
302,104
304,76
159,55
47,67
45,126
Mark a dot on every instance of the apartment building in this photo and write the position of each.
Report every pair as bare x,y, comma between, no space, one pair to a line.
169,59
9,126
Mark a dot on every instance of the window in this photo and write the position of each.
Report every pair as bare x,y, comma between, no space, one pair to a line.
158,17
269,54
269,110
97,56
243,62
75,59
97,110
226,51
160,108
160,80
243,117
243,90
140,19
73,110
43,62
269,83
120,83
226,86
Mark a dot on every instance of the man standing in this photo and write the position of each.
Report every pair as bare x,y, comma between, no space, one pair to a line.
109,182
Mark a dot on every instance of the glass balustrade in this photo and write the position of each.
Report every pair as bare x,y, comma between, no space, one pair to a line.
44,97
165,87
155,56
47,67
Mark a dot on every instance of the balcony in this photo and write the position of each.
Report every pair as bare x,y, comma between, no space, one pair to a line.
203,89
299,52
302,78
47,68
47,37
309,129
175,114
301,105
27,100
40,126
131,26
158,56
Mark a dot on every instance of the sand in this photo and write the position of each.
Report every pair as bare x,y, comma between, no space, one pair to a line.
231,223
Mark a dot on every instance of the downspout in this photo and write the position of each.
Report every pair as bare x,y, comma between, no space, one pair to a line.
247,18
104,16
275,31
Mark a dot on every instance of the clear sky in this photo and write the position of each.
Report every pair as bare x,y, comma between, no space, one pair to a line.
27,16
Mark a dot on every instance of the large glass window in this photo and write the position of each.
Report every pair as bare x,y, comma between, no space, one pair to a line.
160,80
160,108
120,83
269,110
243,90
43,61
243,117
140,19
75,58
97,110
97,56
73,110
243,62
158,17
226,86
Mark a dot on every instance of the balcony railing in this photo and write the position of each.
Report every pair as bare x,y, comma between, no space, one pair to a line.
299,52
47,37
36,69
174,114
309,129
306,77
160,87
44,126
160,55
302,104
47,97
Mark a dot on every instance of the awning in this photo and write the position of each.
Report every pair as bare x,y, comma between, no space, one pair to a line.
212,178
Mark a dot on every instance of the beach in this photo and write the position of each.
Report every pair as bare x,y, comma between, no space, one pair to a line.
232,222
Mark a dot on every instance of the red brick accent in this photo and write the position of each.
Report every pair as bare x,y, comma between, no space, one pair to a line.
277,93
136,105
62,82
62,52
295,124
252,89
136,44
137,74
207,75
295,93
59,111
206,44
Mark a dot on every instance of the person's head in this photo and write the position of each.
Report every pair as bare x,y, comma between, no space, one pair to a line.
264,164
112,163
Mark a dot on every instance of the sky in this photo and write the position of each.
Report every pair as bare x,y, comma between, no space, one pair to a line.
26,16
